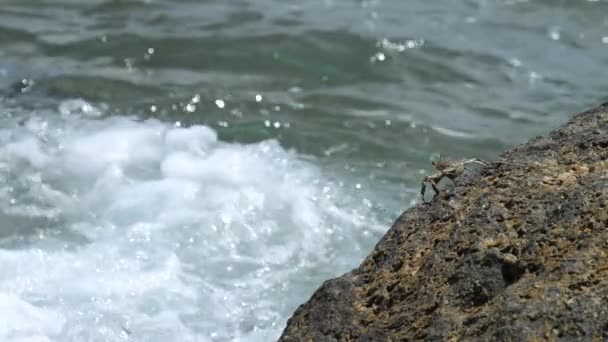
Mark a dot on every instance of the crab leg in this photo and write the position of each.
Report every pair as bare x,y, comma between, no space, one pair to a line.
433,184
423,189
430,179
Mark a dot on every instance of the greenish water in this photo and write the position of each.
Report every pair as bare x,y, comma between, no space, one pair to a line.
358,95
471,78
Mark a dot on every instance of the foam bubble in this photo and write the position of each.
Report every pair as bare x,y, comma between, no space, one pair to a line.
78,108
22,321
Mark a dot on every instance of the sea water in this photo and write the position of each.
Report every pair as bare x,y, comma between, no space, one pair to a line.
186,170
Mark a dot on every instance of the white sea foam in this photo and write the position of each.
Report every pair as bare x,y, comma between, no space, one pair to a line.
123,230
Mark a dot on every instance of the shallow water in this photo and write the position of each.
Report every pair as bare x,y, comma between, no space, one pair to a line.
193,170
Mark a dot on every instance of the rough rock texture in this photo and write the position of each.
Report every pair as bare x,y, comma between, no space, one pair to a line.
514,252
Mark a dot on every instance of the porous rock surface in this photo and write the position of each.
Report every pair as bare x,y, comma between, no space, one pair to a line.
514,252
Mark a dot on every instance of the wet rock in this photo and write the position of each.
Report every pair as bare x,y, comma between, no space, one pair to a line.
517,253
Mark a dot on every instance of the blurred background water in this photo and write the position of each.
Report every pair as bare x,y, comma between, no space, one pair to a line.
193,170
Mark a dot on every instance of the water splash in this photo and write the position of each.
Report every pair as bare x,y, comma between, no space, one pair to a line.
117,229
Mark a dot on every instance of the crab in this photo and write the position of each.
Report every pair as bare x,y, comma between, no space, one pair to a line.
447,168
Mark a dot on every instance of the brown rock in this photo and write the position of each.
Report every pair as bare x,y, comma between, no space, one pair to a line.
516,252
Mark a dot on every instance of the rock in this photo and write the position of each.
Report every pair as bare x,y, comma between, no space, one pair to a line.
515,252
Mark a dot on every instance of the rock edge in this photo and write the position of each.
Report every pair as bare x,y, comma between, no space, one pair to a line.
514,252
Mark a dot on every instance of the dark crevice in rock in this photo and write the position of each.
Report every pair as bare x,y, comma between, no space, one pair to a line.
511,273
